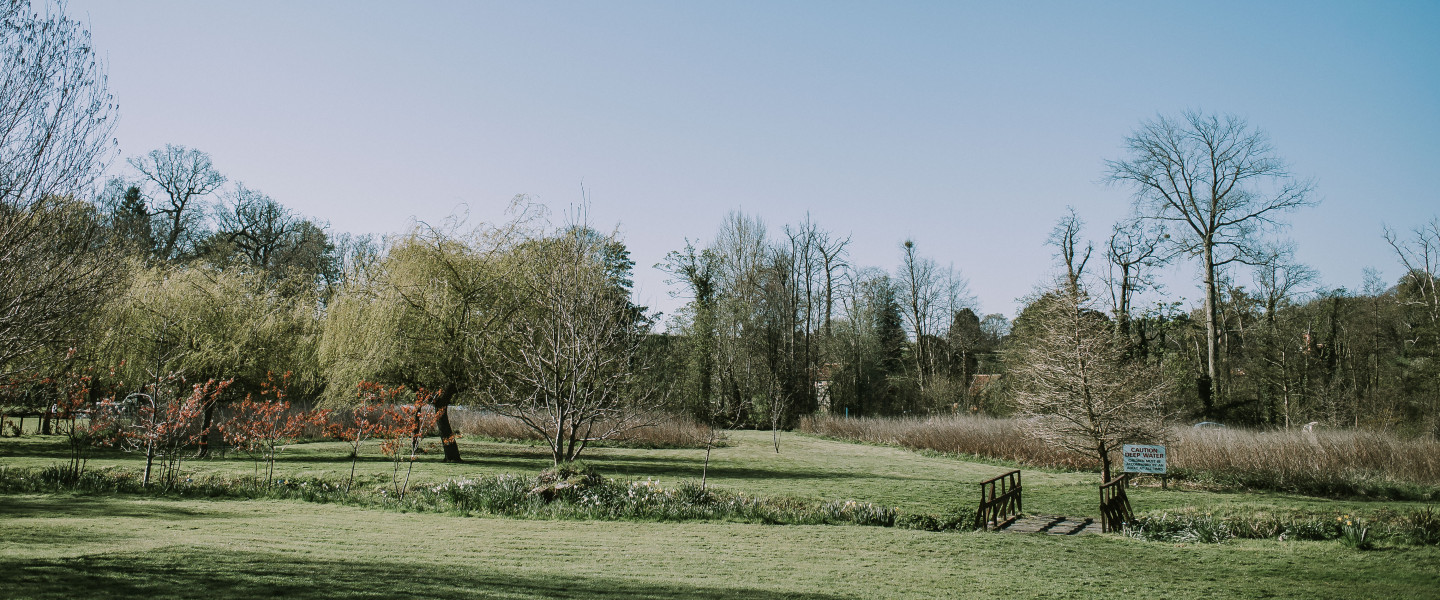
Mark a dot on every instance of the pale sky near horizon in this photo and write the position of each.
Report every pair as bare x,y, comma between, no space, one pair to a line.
968,127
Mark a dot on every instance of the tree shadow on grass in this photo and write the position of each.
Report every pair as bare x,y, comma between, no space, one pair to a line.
470,457
34,537
48,446
181,572
97,506
682,468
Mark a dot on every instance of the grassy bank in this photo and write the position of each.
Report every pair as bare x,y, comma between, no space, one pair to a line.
806,468
67,544
59,547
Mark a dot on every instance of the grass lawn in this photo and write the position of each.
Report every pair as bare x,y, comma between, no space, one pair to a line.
806,466
61,546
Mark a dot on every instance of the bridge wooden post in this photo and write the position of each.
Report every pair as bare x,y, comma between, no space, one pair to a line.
1000,501
1115,505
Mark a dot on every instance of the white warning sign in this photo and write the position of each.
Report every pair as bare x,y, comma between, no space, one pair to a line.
1143,459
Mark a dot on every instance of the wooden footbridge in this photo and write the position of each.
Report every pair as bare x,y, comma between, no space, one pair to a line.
1052,525
1002,506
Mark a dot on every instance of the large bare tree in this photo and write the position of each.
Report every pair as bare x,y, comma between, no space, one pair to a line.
56,115
256,225
185,176
255,228
929,296
1420,256
55,123
1075,385
1065,237
1219,182
741,250
572,372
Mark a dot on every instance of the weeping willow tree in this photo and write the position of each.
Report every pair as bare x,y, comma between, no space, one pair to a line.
176,323
428,314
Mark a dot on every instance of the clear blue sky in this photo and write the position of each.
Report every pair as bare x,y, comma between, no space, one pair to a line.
965,126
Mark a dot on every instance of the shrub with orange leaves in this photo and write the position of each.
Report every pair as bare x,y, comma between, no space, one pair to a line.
262,428
76,417
402,427
158,421
366,421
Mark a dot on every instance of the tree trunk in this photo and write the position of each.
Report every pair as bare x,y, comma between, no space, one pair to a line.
1211,379
45,420
149,461
705,470
209,420
1104,462
1122,308
442,422
775,430
174,238
557,443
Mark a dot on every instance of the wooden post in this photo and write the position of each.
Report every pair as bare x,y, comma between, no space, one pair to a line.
1000,501
1114,505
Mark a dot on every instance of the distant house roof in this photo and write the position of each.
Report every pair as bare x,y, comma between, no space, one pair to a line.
980,383
826,371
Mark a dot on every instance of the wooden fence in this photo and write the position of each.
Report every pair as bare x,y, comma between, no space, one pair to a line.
999,501
1114,505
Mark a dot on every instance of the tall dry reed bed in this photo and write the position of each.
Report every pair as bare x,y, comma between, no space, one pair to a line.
963,434
1326,462
662,430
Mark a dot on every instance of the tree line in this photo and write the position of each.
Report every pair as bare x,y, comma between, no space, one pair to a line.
164,270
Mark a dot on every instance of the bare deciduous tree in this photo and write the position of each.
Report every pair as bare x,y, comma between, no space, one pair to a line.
1220,182
1278,277
832,255
575,351
740,250
54,272
262,232
1132,248
257,225
56,114
930,295
1066,239
55,123
1421,258
1076,386
1278,345
185,176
